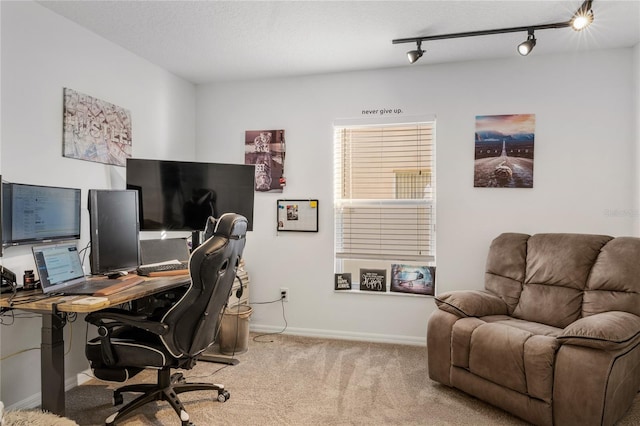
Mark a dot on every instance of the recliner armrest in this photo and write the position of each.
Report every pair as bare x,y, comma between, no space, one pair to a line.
606,330
471,303
111,318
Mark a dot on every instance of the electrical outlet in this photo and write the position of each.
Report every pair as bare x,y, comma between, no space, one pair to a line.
284,294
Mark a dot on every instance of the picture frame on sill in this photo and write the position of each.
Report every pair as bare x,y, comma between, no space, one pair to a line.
413,279
373,280
342,281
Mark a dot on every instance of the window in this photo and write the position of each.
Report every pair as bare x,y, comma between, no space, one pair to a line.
384,196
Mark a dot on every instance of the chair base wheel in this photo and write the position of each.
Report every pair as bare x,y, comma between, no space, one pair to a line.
223,395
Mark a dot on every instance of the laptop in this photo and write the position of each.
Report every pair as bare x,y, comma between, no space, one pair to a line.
157,251
60,270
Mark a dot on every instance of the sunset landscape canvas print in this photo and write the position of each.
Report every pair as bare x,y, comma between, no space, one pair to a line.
504,147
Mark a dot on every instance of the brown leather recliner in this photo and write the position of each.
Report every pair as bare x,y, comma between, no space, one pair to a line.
554,338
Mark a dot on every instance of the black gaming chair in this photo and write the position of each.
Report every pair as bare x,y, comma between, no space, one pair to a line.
174,338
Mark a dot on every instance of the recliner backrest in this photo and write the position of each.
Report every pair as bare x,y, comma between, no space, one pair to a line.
614,282
557,269
193,320
556,279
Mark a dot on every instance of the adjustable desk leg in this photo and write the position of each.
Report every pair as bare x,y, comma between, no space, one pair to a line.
52,363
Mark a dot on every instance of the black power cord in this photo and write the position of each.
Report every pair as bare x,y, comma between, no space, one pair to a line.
255,338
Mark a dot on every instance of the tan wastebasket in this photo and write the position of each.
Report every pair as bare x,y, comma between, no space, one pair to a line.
234,330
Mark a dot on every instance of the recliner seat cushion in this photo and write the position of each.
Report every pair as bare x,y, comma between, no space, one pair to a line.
509,356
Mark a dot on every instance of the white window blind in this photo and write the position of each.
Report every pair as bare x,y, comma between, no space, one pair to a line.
384,188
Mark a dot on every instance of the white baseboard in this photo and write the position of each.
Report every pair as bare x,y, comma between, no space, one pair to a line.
35,400
84,376
343,335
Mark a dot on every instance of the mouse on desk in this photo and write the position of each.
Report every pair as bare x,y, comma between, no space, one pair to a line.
114,275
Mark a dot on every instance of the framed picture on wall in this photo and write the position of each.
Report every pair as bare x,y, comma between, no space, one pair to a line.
297,215
266,150
95,130
504,151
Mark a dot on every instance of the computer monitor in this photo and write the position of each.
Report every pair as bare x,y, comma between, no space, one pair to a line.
114,231
0,215
38,213
181,195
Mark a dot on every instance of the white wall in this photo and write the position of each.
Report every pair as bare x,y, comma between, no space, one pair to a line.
41,54
583,173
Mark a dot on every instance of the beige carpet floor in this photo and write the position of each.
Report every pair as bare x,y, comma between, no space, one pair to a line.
292,380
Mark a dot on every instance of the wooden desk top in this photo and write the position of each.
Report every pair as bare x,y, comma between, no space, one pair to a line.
34,300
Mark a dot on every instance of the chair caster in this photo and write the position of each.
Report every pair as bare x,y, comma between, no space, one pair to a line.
178,378
223,395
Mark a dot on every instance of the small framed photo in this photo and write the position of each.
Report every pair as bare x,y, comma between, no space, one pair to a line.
413,279
342,281
373,280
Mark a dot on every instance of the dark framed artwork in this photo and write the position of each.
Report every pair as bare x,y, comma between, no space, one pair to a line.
342,281
504,147
373,280
266,150
413,279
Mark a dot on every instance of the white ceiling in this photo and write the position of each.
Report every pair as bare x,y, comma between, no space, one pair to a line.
212,41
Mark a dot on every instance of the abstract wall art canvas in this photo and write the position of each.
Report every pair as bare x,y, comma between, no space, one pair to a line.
95,130
504,151
266,149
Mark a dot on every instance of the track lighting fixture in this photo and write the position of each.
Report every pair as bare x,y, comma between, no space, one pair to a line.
579,21
583,17
414,55
527,46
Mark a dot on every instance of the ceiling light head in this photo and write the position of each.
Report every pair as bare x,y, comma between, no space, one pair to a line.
527,46
583,17
414,55
582,21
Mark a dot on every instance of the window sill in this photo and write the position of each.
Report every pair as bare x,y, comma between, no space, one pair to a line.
382,293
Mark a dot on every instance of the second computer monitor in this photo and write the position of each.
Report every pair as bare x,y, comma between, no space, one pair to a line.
114,227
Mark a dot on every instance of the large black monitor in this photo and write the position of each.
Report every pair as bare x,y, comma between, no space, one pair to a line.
113,222
0,216
36,213
181,195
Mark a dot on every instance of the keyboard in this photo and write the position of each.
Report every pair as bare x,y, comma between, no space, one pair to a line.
176,268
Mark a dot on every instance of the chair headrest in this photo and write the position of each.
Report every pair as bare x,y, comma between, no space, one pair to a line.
231,225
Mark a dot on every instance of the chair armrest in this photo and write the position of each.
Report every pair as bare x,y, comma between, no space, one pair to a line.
111,318
471,303
606,330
